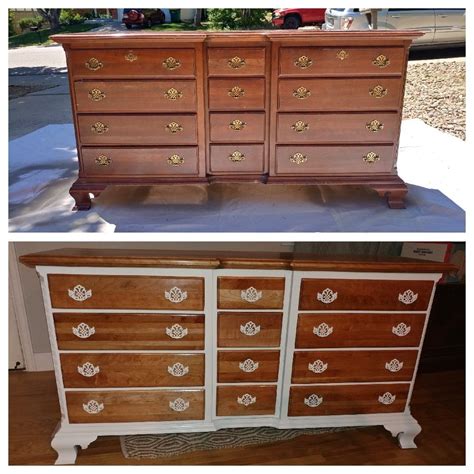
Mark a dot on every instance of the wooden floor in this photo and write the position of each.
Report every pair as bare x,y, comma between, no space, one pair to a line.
438,404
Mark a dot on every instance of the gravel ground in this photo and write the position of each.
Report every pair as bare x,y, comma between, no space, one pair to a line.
436,93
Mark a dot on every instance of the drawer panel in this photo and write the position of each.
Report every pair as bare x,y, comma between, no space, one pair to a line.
249,293
345,94
132,370
129,331
135,405
340,128
359,330
247,366
237,94
171,161
132,63
343,160
135,96
126,292
249,329
330,294
353,366
314,61
347,399
236,61
237,127
236,159
241,400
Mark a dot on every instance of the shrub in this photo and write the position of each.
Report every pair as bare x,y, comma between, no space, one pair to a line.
11,23
26,23
237,18
69,17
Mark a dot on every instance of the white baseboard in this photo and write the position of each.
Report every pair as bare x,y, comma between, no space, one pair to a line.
43,361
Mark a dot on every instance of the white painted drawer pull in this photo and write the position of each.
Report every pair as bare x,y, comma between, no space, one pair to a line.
313,401
394,365
248,365
246,400
179,405
387,398
93,407
251,295
178,369
83,331
327,296
88,369
79,293
176,295
407,297
323,330
249,329
176,331
318,366
401,329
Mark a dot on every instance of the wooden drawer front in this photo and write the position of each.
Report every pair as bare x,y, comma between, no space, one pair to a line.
129,331
236,158
236,61
249,329
164,161
237,127
249,293
308,61
135,96
132,63
237,94
399,295
347,399
126,292
353,366
247,366
339,94
241,400
358,127
319,159
135,405
132,370
359,330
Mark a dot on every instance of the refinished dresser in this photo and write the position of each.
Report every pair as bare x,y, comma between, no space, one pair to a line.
282,107
152,342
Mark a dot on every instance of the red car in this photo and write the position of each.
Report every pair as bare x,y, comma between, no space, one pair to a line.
292,18
142,17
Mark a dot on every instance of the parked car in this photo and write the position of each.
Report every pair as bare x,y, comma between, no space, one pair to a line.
442,26
292,18
143,17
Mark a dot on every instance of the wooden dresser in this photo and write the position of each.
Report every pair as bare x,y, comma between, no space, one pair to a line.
150,342
268,106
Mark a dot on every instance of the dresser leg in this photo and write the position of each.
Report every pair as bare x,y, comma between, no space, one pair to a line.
67,445
81,194
395,196
406,432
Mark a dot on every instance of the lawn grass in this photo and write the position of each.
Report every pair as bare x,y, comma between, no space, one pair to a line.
178,27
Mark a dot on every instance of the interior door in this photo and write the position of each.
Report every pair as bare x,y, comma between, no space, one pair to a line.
15,354
419,19
450,25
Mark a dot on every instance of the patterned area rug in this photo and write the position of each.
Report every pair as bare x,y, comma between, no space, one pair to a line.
175,444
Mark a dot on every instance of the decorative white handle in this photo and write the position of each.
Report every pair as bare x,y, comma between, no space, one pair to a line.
88,369
387,398
323,330
313,401
318,366
176,295
79,293
176,331
407,297
251,295
246,400
394,365
83,331
250,329
248,365
401,329
179,405
93,407
327,296
178,369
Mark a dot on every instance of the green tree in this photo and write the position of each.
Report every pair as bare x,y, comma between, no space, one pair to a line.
51,15
237,18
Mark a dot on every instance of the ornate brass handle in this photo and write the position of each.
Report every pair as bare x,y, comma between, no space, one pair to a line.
371,158
237,125
171,63
174,127
131,56
93,64
103,160
303,62
298,158
96,95
300,126
381,61
175,160
342,55
173,94
236,92
99,128
301,93
236,62
378,92
236,156
374,126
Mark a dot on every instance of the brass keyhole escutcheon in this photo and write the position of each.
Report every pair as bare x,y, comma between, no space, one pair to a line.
175,160
237,125
131,57
93,64
342,55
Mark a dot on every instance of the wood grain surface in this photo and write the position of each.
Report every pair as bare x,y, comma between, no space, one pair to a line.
228,404
265,363
253,61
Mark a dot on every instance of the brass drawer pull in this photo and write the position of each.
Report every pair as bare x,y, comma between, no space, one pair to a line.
96,95
300,126
374,126
298,158
378,92
237,125
175,160
371,158
303,62
342,55
301,93
236,92
381,61
174,127
131,56
103,160
93,64
236,157
171,63
99,128
236,62
173,94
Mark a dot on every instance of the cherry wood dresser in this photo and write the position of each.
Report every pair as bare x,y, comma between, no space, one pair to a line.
149,342
270,106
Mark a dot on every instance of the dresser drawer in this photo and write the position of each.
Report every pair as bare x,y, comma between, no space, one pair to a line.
237,94
236,159
354,128
322,400
318,61
132,370
132,62
249,293
92,331
135,96
353,366
249,329
135,405
359,330
170,161
247,366
343,160
344,94
237,127
126,292
241,400
236,61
